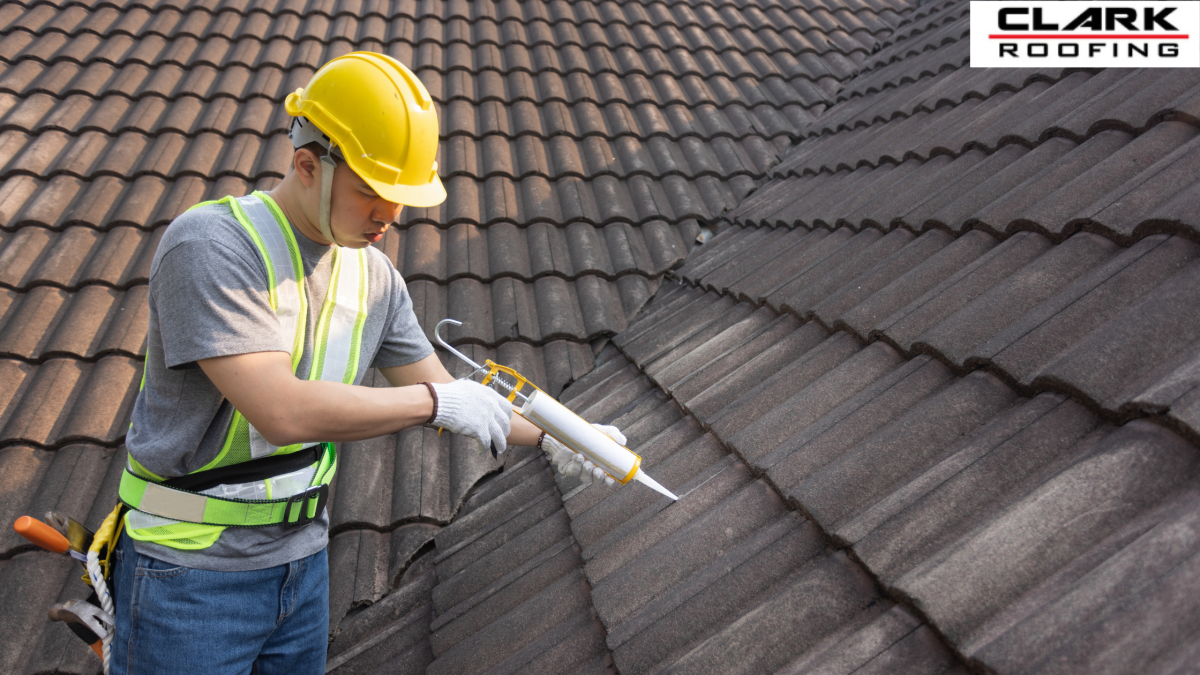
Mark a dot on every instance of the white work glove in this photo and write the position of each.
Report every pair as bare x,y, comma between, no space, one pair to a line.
474,410
571,463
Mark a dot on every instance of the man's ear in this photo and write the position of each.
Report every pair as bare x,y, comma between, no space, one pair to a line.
306,165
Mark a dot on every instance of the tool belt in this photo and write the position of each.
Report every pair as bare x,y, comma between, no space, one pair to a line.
181,498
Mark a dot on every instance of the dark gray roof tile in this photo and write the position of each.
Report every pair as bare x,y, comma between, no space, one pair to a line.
674,456
1101,622
912,284
709,258
714,346
64,400
67,480
676,309
696,317
515,540
960,288
576,643
1113,482
850,296
1155,194
776,371
790,616
696,379
759,281
839,268
393,631
599,374
802,393
1030,343
32,582
857,643
714,593
489,647
925,423
959,334
361,558
516,496
627,542
632,586
1157,328
978,477
490,604
767,243
644,406
618,389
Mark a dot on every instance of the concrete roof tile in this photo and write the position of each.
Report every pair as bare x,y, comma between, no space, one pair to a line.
1154,324
958,334
393,631
629,541
675,557
971,281
927,422
789,611
804,391
1109,471
1028,344
804,252
518,540
1110,603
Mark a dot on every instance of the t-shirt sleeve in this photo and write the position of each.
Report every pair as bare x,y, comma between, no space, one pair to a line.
211,301
403,340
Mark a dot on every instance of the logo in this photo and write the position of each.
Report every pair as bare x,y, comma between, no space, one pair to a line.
1101,34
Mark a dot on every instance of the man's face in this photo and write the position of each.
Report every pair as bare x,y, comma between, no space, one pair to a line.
358,216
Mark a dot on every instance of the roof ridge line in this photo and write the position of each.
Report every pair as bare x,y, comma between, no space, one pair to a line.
1097,127
154,10
187,67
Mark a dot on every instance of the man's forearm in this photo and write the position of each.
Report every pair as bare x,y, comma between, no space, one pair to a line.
331,411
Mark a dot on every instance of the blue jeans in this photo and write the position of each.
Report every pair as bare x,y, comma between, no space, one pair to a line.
181,620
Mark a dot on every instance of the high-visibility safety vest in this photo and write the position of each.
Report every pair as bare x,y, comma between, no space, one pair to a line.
294,482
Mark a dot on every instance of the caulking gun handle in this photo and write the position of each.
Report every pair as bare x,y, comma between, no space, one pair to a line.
41,534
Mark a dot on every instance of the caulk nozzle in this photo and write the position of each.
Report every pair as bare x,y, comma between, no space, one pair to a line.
649,482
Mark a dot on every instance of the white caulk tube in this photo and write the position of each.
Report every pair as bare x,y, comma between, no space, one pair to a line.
574,432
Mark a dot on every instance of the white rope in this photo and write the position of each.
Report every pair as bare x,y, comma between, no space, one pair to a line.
106,603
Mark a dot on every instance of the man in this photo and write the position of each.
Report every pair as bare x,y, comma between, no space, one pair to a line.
265,313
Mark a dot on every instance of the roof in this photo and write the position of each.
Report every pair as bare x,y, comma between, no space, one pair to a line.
928,395
584,146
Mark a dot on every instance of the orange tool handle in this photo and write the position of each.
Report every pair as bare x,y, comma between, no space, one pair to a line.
41,534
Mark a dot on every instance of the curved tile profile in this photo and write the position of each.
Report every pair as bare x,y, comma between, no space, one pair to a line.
586,148
921,473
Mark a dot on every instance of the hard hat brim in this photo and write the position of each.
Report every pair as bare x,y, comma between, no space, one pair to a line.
429,194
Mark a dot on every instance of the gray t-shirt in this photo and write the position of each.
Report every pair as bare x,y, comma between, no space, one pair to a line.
208,297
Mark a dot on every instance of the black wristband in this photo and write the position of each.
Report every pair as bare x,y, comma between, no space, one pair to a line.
541,438
433,393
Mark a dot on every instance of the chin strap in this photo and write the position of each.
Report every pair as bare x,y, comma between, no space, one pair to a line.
327,168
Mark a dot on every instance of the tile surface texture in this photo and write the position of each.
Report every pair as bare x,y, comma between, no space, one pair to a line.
928,391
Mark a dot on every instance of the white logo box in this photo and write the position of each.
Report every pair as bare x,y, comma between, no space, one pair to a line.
1095,34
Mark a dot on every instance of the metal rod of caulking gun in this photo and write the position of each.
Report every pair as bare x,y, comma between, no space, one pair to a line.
437,333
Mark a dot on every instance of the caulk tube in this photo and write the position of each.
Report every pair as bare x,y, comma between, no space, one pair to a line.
574,432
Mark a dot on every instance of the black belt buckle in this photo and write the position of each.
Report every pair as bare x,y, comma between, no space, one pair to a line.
319,492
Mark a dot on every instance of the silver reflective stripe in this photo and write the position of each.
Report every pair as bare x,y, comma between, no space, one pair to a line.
287,291
261,447
170,507
343,317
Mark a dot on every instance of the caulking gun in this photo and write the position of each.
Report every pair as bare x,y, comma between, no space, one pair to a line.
557,421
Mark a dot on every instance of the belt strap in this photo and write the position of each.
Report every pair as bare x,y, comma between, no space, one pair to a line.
183,505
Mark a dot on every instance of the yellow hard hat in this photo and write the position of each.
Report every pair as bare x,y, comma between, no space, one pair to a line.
382,119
